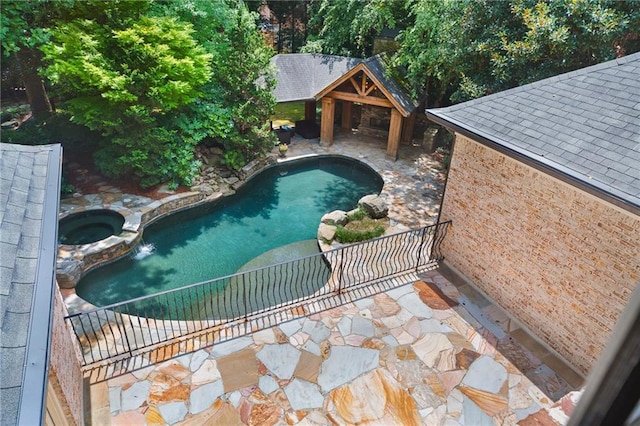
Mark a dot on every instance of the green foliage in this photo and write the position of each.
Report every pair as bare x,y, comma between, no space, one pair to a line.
236,103
14,112
233,160
455,51
52,128
357,214
154,79
127,82
29,133
360,227
348,27
66,187
21,24
348,236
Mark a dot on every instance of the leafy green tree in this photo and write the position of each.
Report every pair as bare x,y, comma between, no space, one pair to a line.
24,28
456,51
21,33
127,83
348,27
234,108
429,51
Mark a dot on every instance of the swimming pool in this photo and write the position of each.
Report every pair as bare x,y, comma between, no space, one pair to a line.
279,206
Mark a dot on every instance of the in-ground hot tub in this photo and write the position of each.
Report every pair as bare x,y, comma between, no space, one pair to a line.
89,226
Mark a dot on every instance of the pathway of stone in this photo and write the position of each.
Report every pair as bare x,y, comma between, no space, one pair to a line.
412,355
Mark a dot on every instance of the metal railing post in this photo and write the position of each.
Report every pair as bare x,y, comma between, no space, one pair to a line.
419,254
341,270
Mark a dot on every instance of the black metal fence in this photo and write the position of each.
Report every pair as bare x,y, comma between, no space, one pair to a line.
238,304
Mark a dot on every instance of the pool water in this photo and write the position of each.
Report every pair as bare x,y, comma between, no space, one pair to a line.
89,226
279,206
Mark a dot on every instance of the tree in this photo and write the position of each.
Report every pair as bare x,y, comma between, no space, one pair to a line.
24,28
22,33
348,27
127,83
236,104
462,50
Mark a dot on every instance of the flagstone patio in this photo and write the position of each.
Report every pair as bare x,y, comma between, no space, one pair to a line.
412,355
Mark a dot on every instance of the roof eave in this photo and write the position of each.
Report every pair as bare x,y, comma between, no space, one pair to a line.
35,378
600,190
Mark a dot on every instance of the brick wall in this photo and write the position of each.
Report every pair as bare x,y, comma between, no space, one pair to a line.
65,363
562,261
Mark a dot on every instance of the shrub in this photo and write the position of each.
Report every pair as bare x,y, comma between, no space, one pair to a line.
357,214
346,235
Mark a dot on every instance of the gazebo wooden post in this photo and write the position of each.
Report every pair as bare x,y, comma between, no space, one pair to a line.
407,128
310,111
326,122
347,114
395,131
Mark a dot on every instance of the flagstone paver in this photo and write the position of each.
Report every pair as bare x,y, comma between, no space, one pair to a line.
441,374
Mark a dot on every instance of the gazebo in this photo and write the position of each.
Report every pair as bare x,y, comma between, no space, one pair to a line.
329,79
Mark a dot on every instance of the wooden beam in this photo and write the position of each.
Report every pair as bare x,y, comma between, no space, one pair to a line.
407,128
369,100
363,81
347,114
370,89
310,111
355,85
395,130
326,122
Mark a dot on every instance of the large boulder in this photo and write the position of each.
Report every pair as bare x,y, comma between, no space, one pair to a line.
336,217
375,206
326,232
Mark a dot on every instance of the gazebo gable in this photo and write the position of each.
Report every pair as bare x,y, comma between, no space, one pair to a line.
361,85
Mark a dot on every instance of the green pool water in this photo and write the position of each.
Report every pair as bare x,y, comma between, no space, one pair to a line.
279,206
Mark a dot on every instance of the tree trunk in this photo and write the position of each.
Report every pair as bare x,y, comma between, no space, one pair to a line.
279,42
33,84
293,27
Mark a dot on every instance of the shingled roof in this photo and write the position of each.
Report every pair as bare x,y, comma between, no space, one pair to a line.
29,193
378,66
584,124
303,76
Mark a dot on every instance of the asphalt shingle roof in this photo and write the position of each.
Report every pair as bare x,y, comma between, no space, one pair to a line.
585,123
25,172
379,68
301,76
